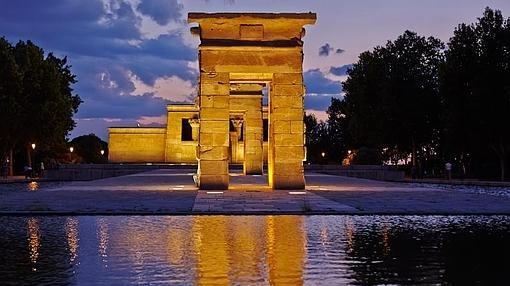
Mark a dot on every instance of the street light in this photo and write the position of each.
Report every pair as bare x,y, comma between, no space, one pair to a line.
33,146
323,154
71,149
102,152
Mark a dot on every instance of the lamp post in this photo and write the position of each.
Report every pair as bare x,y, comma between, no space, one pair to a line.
30,154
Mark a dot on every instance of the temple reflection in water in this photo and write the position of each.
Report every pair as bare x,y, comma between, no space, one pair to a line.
216,250
244,250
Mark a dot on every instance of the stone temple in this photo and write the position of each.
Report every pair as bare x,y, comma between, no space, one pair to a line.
243,57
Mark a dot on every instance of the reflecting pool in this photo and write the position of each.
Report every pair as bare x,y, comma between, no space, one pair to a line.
255,250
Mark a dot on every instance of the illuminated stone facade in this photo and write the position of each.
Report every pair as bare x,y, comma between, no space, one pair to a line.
242,57
237,53
177,142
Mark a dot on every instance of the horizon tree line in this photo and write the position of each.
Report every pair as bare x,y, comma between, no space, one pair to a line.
420,100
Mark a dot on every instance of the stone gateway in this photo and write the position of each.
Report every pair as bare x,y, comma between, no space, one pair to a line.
242,58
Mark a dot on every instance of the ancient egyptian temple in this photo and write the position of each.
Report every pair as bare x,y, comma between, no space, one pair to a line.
249,108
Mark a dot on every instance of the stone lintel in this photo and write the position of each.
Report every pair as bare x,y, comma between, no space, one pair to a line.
263,28
256,46
254,88
182,108
197,17
250,77
136,130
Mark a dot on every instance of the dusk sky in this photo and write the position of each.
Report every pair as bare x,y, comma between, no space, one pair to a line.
132,58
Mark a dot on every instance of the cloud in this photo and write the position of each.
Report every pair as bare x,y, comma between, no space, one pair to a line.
320,90
161,11
99,126
341,70
108,51
325,50
319,114
317,83
171,88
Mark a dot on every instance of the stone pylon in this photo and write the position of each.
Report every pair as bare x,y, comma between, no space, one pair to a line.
251,48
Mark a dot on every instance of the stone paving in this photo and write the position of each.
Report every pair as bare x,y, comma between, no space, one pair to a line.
173,192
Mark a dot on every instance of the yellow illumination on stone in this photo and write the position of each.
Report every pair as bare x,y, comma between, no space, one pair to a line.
240,54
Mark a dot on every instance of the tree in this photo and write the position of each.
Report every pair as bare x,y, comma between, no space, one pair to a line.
392,96
476,90
37,98
337,126
10,87
320,138
88,148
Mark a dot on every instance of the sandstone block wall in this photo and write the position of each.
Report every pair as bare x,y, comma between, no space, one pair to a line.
131,145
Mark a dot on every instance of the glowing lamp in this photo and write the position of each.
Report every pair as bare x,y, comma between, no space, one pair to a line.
33,146
71,149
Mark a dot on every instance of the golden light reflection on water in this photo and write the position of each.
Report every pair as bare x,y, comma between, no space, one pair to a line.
287,252
211,244
218,250
223,250
33,186
247,250
34,241
72,238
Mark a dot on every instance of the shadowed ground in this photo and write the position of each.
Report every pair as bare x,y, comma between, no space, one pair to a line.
173,192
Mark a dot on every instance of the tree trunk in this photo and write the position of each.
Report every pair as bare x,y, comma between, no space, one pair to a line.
29,157
502,166
500,152
11,163
413,155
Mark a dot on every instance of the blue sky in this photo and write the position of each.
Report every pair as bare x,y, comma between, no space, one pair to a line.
133,57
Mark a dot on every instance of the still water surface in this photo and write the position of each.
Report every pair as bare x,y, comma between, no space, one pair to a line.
255,250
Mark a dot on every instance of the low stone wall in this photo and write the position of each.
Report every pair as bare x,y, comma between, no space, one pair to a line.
374,172
85,172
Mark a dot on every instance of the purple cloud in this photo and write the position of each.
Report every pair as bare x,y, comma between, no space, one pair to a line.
341,70
325,50
320,90
106,48
161,11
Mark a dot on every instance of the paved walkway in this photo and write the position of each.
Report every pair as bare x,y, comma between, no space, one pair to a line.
171,191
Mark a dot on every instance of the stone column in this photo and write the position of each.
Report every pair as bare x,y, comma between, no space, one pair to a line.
254,137
195,124
238,124
286,144
213,138
234,139
249,99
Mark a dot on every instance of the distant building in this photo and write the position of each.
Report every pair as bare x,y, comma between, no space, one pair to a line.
177,142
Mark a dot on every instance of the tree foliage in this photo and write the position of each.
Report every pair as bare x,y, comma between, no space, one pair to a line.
412,96
475,85
392,95
88,149
36,97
